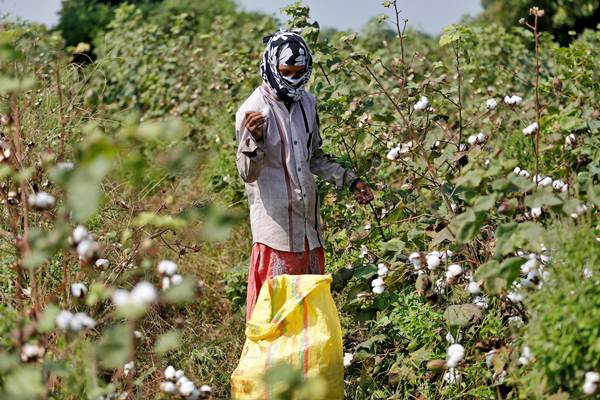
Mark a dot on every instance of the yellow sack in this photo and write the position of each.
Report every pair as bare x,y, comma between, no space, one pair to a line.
295,321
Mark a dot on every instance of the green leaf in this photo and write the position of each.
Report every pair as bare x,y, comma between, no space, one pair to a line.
83,188
46,321
392,247
468,225
543,198
513,236
484,203
113,350
168,341
181,293
522,183
462,315
24,382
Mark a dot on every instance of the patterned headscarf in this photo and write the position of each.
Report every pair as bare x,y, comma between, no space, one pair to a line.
284,47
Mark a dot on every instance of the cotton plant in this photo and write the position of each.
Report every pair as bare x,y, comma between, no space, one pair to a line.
422,104
591,381
32,352
531,129
85,245
169,276
513,100
453,272
78,289
133,303
41,201
67,321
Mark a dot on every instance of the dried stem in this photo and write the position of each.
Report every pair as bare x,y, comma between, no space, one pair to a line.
61,153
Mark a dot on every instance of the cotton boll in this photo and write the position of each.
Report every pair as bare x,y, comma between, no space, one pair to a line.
382,270
179,374
452,376
348,357
165,283
143,293
393,153
558,184
547,181
472,140
78,289
41,201
474,288
87,250
378,289
102,263
79,234
421,104
517,170
590,387
169,373
168,387
570,140
481,137
31,352
587,273
480,302
120,298
83,320
186,388
592,376
526,356
446,255
415,259
166,267
515,297
129,368
524,173
455,269
456,353
491,104
536,212
176,279
530,129
433,261
205,390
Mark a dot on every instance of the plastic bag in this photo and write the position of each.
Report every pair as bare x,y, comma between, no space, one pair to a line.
295,321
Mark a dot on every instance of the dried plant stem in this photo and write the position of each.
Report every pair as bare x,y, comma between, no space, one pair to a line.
59,91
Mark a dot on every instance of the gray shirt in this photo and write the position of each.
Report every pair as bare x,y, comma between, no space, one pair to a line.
278,171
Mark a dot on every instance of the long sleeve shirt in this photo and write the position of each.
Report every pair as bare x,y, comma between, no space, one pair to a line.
278,171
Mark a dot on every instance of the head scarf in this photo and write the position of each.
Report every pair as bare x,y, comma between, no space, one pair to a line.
285,47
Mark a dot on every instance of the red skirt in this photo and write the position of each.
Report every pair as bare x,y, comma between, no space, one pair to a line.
266,262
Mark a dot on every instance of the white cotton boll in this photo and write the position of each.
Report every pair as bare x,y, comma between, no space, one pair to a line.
120,298
455,269
481,137
491,104
517,170
81,320
547,181
536,212
176,279
168,387
169,373
87,248
446,255
406,147
524,173
516,100
31,352
587,273
415,259
137,334
143,293
472,140
449,338
526,356
377,282
79,234
452,376
166,267
456,353
558,184
65,165
530,129
179,374
433,261
129,368
41,201
165,283
545,258
378,289
78,289
592,376
421,104
590,387
63,319
462,147
480,302
348,357
393,153
186,388
205,390
570,140
102,263
382,270
515,297
474,288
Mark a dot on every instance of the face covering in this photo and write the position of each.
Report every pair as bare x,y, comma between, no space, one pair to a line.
288,48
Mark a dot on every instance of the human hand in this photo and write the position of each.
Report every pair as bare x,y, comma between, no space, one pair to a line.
363,192
254,122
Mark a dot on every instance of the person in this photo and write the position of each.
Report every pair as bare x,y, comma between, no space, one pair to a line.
279,150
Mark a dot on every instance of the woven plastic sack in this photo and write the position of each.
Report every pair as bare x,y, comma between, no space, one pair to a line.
295,321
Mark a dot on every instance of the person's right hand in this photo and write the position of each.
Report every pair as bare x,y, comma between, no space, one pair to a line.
254,122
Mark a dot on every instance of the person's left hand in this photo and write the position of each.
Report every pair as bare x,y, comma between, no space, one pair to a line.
363,192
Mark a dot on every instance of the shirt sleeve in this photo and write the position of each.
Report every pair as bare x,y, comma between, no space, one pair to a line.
325,165
250,152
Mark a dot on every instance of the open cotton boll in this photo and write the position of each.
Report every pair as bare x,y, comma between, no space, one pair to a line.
472,140
590,387
558,184
480,302
474,287
165,283
81,320
524,173
143,293
30,352
169,373
166,267
526,356
79,234
377,282
530,129
515,297
456,353
536,212
421,104
570,140
87,249
393,153
168,387
186,388
378,289
41,201
176,279
452,376
78,289
513,100
547,181
433,261
129,368
415,259
348,357
481,137
120,298
102,263
491,104
382,270
517,170
63,318
455,270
